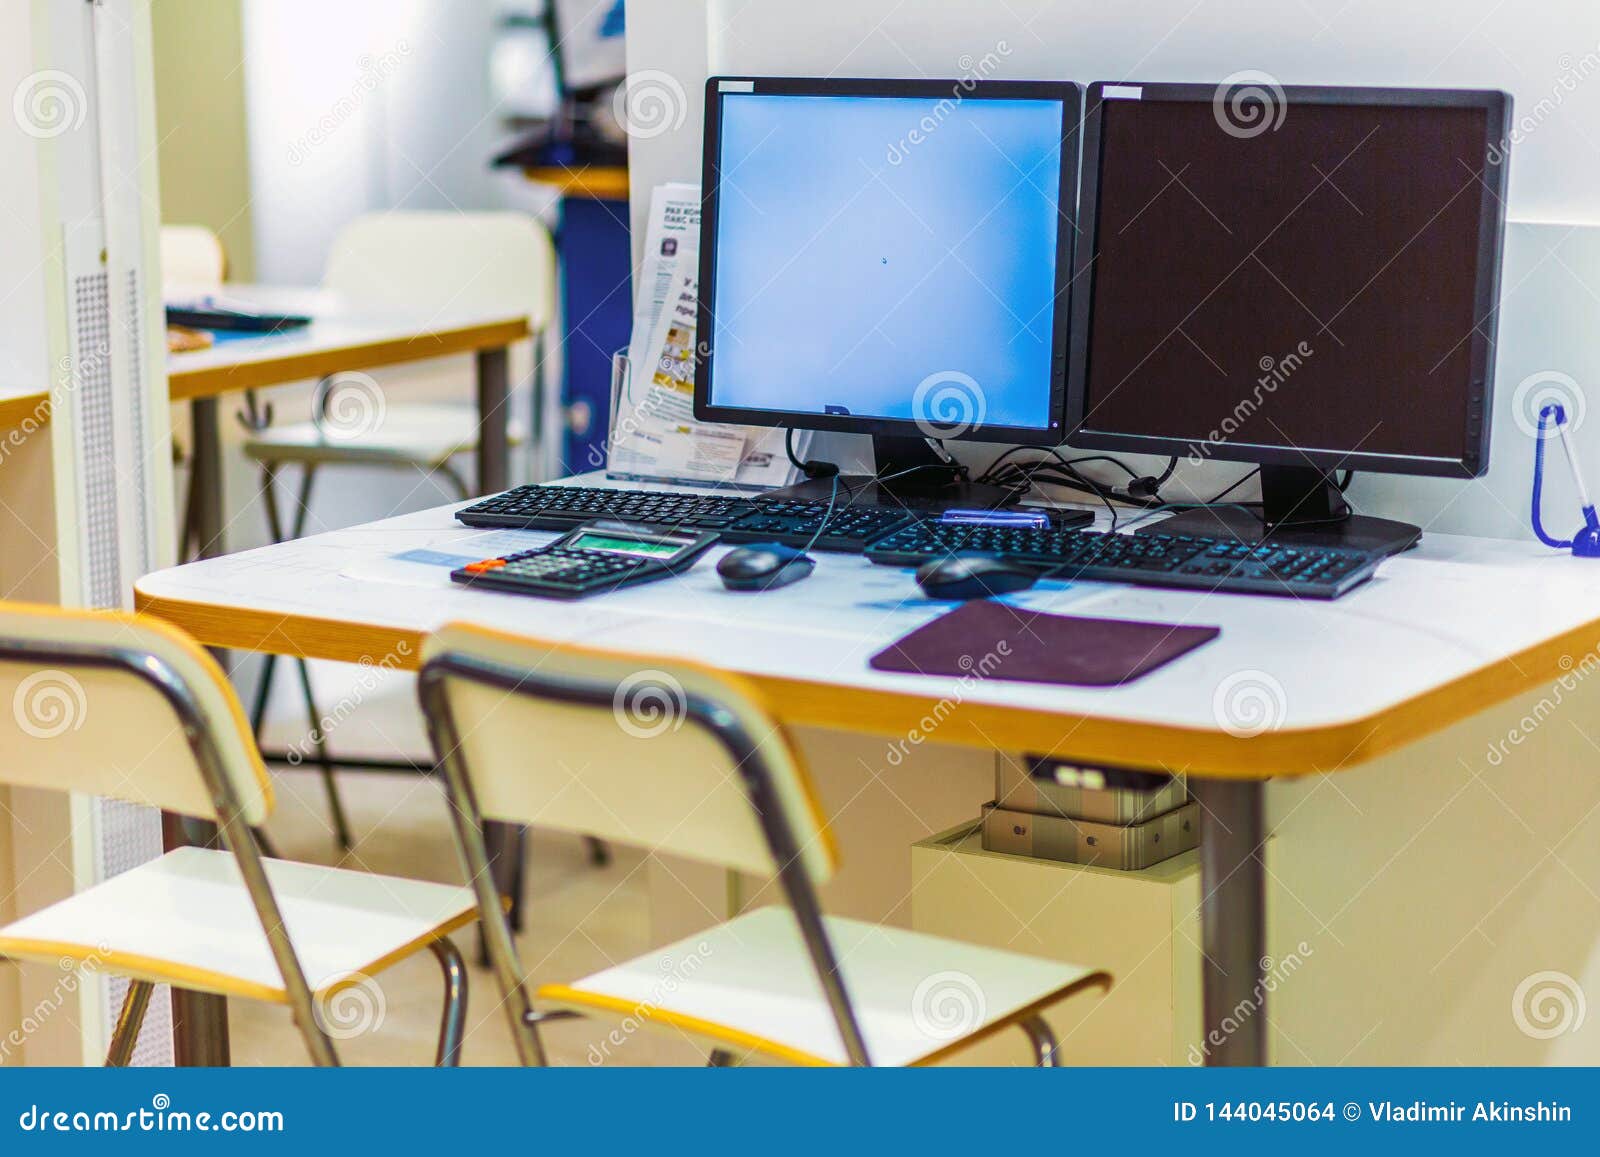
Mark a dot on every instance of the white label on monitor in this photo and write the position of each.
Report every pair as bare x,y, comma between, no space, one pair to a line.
736,86
1122,92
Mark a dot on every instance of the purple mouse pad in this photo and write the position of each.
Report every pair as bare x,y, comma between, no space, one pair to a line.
1021,646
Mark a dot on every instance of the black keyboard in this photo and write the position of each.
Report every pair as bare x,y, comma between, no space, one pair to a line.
850,529
563,507
1160,560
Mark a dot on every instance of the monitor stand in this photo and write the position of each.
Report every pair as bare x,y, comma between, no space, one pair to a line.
1301,506
932,486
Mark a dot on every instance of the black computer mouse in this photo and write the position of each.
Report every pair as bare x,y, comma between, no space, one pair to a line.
973,576
764,566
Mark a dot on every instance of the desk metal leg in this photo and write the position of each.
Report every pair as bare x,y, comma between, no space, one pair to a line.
494,443
494,474
205,477
199,1019
1233,916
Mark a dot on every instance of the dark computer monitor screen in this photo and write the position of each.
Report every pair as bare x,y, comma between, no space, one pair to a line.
1308,290
879,260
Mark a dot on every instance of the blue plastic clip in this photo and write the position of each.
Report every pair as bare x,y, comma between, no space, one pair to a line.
1586,543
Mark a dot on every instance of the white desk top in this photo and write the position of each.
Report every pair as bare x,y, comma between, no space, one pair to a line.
338,327
343,337
1440,633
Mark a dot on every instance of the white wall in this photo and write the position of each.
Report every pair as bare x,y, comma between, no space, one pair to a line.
1526,49
360,105
1547,55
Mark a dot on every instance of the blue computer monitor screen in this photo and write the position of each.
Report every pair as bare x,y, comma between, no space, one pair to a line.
888,257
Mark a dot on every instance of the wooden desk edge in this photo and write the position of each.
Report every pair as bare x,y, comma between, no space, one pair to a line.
906,721
183,385
186,385
16,411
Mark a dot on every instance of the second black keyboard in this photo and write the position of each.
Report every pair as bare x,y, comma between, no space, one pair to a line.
1162,560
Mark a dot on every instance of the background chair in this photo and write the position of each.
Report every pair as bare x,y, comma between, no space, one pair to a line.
116,705
678,758
192,257
422,264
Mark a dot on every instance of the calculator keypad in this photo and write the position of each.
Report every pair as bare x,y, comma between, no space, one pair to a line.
560,565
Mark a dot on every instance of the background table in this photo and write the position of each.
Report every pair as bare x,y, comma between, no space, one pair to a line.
343,337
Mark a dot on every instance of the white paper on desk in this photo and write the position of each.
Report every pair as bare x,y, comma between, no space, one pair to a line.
685,451
653,430
659,391
428,564
671,244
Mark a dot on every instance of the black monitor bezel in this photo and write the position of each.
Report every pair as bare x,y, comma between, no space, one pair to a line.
1473,462
1070,93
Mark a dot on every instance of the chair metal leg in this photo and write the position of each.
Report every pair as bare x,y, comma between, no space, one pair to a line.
129,1021
451,475
1046,1052
258,709
453,1020
336,812
264,842
188,537
341,822
467,821
269,664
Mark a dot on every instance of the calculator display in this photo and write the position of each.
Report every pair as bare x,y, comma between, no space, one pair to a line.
631,546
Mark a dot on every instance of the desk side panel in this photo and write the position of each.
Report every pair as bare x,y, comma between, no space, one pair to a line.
1444,900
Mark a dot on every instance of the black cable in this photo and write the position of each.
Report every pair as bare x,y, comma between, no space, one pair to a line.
1240,482
1055,454
811,469
833,497
1104,494
1063,473
1057,470
1150,485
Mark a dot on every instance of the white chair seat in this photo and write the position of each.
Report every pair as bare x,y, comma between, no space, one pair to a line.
749,985
187,919
421,434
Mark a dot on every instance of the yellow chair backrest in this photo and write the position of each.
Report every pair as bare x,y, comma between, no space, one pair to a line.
87,704
635,749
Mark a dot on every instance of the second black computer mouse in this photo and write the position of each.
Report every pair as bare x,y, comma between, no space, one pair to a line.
764,566
973,576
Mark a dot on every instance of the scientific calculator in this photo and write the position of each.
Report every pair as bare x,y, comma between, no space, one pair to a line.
590,560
